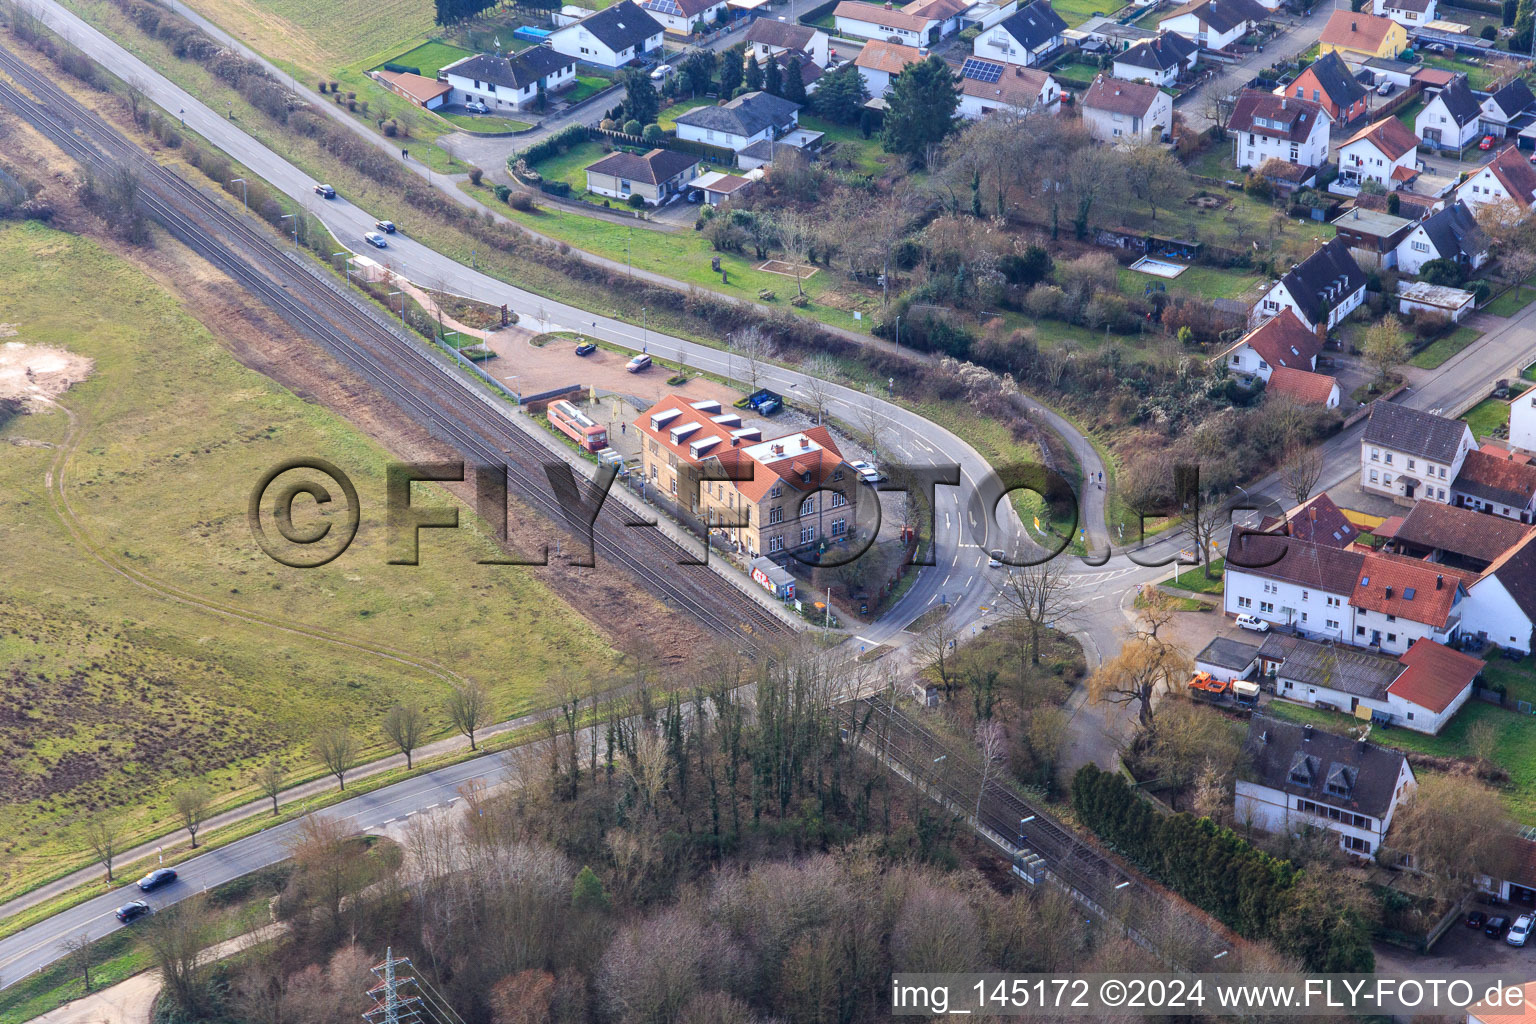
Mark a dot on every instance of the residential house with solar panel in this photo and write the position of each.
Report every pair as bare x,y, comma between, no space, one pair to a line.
987,86
683,17
1452,235
509,83
1321,290
1029,37
750,117
610,38
1159,61
1412,455
1296,777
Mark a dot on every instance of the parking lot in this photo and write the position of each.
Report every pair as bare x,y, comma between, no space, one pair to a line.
1462,949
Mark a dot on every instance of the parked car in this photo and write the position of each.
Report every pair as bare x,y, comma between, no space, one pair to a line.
386,226
1253,622
325,192
155,879
1519,931
1386,87
1487,142
662,71
1496,927
994,559
476,107
867,472
1476,919
586,348
130,912
377,240
638,364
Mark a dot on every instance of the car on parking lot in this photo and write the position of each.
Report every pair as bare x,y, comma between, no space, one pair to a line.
994,559
1476,919
867,472
386,226
1253,622
476,107
662,71
1496,927
129,912
375,239
586,348
1487,142
638,364
325,192
155,879
1520,931
1385,88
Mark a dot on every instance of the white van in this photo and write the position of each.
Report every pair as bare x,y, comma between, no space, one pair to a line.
639,363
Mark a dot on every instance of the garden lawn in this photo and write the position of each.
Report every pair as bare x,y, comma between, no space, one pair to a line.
570,166
1215,162
1513,300
1408,113
1515,750
1444,348
1193,579
131,690
1195,282
486,123
1075,12
430,57
1487,417
1078,69
668,117
1517,677
865,154
1479,77
586,86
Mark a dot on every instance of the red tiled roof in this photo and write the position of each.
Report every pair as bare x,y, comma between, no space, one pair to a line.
1356,30
1433,76
1133,98
1299,116
874,14
1390,136
1500,452
887,57
1283,340
1414,593
1436,675
1302,386
1320,522
1497,478
1388,528
1515,173
417,87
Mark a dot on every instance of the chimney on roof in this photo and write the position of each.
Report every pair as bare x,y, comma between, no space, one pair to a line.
1312,513
1306,734
805,442
1354,26
1439,581
1283,101
1388,592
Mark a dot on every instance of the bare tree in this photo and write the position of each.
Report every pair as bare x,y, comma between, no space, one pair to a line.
336,750
1037,596
176,937
1201,524
468,705
755,348
191,803
81,955
935,647
404,725
1153,175
1301,469
992,745
1456,829
820,371
798,234
269,779
1385,347
102,835
1520,264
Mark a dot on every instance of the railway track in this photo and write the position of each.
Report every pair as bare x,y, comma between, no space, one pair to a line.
420,385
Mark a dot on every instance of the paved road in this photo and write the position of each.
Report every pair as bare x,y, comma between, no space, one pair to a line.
1296,36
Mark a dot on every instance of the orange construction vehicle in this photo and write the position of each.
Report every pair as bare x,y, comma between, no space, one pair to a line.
1208,685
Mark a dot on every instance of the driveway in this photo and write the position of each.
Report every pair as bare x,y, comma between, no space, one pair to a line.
1460,950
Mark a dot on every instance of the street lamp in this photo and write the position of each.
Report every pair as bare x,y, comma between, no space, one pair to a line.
402,303
645,332
898,332
295,218
347,266
243,204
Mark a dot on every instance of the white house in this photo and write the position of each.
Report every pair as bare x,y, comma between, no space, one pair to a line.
1502,485
987,86
1385,152
1268,127
1027,38
1522,421
769,37
1451,234
1321,290
1408,13
1117,111
1297,777
683,16
1509,175
1501,604
1405,453
509,83
1291,582
1398,601
879,62
1304,387
610,38
749,118
1280,341
1501,107
1450,120
1215,24
1159,61
873,21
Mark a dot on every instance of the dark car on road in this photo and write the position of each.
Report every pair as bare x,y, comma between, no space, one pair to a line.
1496,927
386,226
325,192
155,879
129,912
586,348
1476,919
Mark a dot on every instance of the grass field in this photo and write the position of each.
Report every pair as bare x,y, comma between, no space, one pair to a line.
429,58
1479,77
1075,12
570,166
1487,416
128,688
865,154
1515,750
1198,282
1512,301
1193,579
486,123
321,37
586,85
1444,348
668,117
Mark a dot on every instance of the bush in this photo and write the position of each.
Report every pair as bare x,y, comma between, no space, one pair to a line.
653,134
521,201
636,200
1489,32
391,129
632,127
502,192
475,174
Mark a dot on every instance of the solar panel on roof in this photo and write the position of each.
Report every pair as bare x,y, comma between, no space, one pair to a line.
981,70
665,7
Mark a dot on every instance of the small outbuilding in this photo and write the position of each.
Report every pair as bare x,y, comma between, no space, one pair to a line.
1228,659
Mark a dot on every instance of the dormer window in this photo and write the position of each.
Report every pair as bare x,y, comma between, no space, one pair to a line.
1341,780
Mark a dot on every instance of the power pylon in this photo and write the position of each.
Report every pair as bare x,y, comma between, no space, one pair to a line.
391,1006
